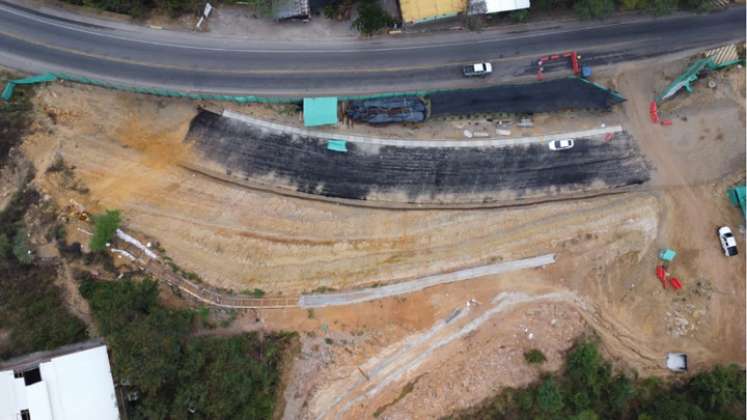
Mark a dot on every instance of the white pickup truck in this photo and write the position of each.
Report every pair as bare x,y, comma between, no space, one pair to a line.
477,70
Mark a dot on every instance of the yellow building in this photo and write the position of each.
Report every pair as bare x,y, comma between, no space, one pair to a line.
417,11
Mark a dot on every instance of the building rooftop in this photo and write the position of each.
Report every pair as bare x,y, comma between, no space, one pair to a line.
74,386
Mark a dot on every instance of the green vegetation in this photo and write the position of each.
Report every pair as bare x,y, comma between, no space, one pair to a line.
32,313
139,8
106,226
371,18
176,374
22,248
594,9
599,9
519,16
256,293
589,389
31,307
534,357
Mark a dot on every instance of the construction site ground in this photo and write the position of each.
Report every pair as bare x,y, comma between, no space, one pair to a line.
414,356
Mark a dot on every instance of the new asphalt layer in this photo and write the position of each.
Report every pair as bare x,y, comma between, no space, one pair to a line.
302,163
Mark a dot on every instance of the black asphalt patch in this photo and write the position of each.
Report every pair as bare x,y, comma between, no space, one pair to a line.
421,174
549,96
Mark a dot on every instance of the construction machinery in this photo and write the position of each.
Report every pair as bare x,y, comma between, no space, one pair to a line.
573,58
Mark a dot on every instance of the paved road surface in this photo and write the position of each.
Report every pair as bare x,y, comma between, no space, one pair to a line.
36,41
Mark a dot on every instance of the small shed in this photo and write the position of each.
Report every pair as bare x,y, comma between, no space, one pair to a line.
677,362
319,111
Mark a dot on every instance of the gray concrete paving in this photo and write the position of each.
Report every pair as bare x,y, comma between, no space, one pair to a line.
373,293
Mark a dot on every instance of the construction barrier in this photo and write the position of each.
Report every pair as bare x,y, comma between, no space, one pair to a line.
653,112
692,74
7,93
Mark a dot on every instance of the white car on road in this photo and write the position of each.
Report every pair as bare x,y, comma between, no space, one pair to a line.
477,70
560,144
728,242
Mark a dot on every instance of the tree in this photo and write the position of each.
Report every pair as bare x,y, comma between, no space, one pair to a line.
594,9
719,388
549,399
4,246
586,415
178,375
371,18
106,226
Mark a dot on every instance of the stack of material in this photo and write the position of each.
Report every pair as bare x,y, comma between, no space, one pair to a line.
388,110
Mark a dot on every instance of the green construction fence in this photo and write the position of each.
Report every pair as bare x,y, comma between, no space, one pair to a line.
7,92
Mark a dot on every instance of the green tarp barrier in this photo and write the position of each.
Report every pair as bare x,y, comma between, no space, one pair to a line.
241,99
10,86
691,75
737,197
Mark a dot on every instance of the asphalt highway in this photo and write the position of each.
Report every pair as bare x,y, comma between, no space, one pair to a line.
35,41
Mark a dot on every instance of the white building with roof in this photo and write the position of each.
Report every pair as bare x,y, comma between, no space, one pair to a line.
74,386
484,7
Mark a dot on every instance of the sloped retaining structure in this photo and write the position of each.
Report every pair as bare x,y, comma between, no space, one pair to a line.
416,173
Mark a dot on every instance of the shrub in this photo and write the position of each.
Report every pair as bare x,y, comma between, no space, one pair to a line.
594,9
662,7
635,4
519,16
106,226
4,246
22,248
534,356
371,18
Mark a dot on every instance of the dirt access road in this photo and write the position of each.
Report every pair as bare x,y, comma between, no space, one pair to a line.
125,149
